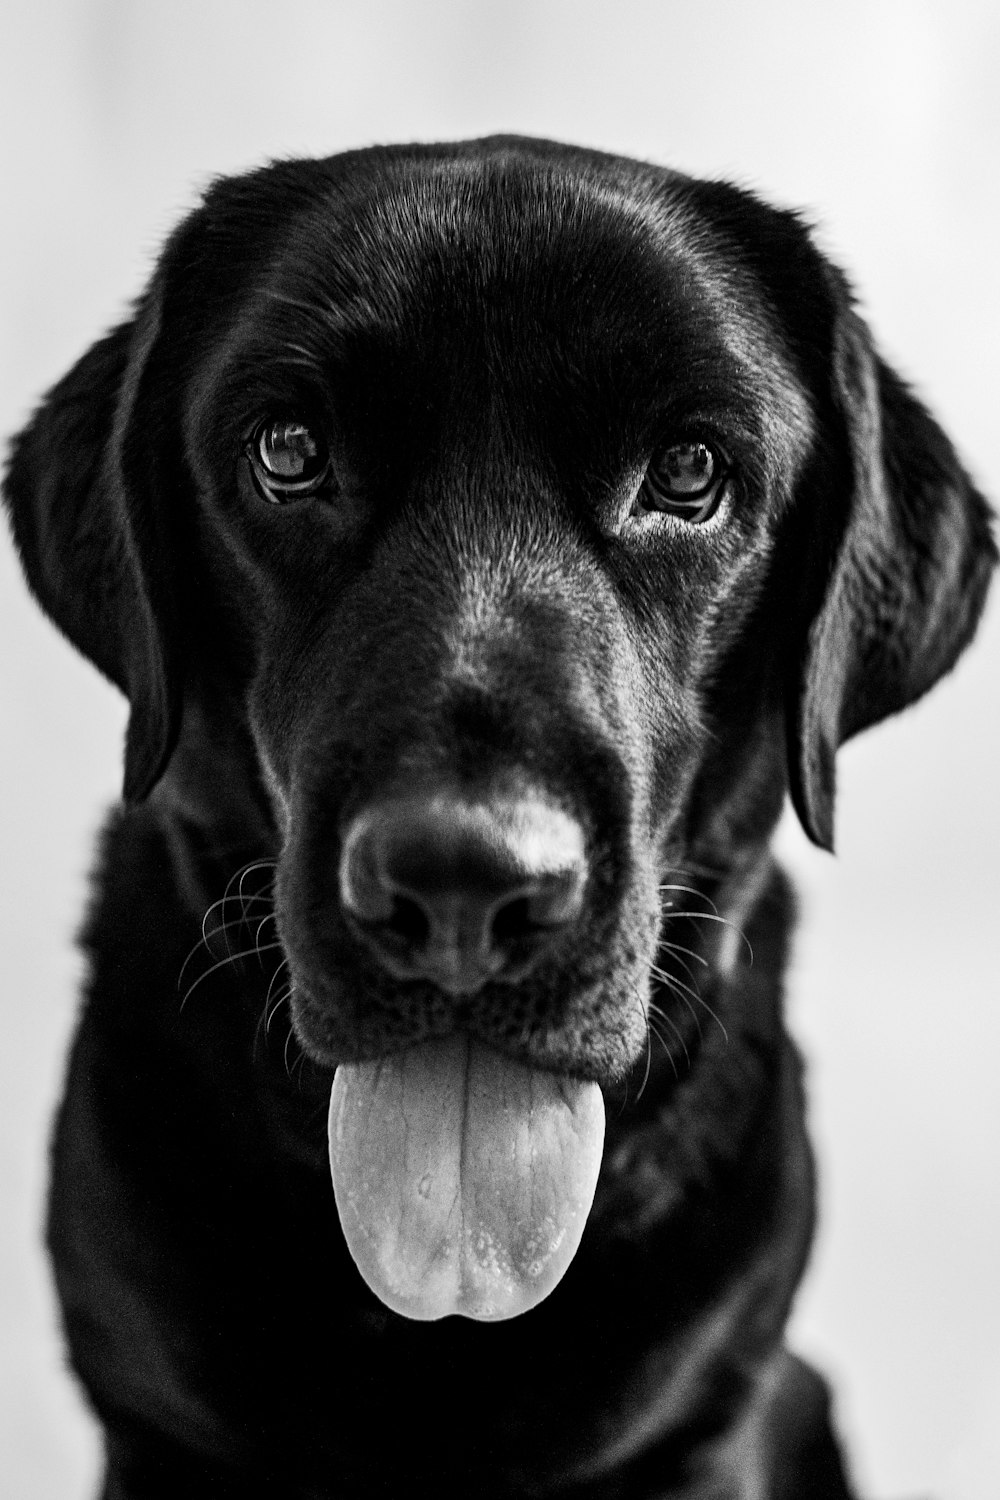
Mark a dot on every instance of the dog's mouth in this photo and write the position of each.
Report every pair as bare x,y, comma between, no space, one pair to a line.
463,1178
465,1145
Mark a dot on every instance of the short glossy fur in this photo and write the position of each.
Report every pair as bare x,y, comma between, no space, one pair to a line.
494,337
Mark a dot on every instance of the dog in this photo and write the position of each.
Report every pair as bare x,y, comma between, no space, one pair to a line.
487,537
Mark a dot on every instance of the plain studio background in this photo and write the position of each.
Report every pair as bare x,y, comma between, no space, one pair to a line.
882,119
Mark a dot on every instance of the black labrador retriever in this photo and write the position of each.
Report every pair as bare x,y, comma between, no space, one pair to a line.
486,537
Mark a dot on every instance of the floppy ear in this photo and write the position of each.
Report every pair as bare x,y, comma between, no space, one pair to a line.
908,579
93,539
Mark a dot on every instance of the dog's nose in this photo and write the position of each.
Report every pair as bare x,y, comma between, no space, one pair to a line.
461,892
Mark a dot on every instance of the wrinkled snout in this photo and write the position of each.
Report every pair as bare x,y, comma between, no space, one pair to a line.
461,892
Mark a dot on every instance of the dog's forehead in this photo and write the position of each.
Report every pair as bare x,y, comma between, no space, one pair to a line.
479,226
514,240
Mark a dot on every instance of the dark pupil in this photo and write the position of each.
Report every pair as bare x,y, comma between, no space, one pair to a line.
688,467
287,450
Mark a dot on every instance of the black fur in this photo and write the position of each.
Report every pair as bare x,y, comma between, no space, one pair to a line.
494,336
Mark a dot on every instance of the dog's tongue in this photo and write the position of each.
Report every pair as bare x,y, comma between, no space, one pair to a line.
463,1179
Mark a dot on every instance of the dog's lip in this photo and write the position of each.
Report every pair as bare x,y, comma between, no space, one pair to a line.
329,1054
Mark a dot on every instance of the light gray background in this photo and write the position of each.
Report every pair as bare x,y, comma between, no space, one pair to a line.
881,118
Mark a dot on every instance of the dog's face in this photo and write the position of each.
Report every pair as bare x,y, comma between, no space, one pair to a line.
541,516
540,454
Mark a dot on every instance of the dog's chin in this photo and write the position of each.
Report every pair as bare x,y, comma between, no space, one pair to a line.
601,1038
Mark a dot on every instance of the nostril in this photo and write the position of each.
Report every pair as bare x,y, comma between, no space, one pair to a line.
408,922
513,922
549,902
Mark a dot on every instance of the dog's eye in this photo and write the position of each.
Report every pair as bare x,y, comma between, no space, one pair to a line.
686,479
288,461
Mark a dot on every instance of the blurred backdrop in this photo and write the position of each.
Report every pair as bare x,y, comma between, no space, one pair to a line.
882,119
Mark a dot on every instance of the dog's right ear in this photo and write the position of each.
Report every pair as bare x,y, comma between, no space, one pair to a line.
906,584
95,551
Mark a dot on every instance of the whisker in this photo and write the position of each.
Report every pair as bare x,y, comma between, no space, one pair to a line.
222,963
682,990
677,988
691,869
706,916
673,981
655,1031
288,1038
649,1048
228,926
215,906
269,1014
677,948
271,917
691,890
261,864
676,951
279,971
246,901
252,867
660,1014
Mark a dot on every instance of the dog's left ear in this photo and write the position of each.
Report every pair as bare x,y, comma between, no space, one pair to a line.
91,530
908,578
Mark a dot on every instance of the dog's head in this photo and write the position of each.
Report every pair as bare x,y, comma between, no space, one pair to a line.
532,520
